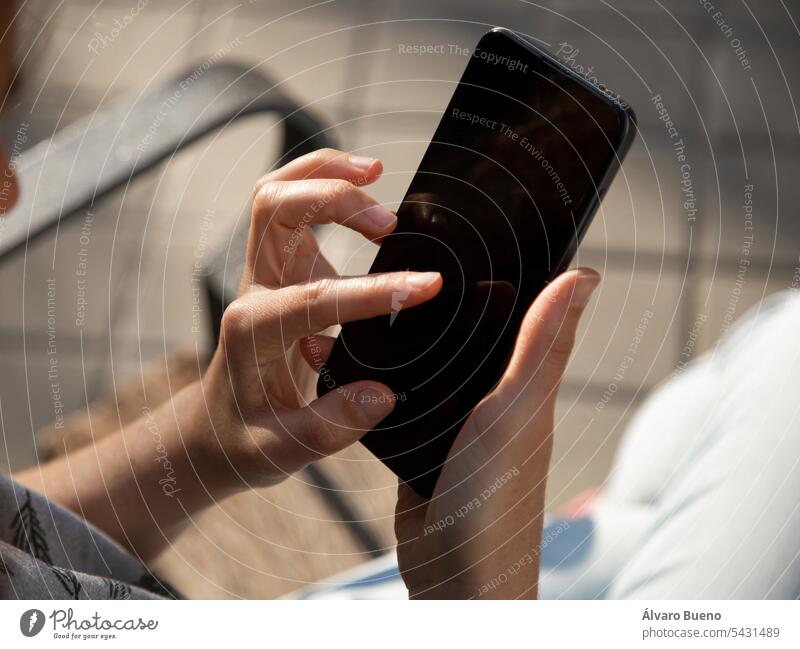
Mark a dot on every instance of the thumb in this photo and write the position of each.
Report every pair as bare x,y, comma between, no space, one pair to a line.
547,336
338,419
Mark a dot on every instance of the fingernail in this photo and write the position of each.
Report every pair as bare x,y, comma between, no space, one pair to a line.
362,162
584,288
421,281
380,216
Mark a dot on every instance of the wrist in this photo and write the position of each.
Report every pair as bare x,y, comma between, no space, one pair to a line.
210,437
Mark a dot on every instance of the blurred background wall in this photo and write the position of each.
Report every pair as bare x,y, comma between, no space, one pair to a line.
669,239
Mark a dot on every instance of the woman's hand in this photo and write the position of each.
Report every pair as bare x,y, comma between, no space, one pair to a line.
262,376
480,534
249,421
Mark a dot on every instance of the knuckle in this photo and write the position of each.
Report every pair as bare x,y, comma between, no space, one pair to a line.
325,154
316,292
313,162
258,185
560,349
266,198
236,320
379,292
316,301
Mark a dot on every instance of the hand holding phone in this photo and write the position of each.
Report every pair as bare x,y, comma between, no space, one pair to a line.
486,513
504,193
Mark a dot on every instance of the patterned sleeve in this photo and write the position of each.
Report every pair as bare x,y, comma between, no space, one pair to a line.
47,552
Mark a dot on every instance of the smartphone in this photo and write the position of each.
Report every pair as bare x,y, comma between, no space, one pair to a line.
517,167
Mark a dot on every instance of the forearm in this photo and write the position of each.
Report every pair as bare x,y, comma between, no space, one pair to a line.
142,483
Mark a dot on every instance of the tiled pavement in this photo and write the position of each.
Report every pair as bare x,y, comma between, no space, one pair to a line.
658,254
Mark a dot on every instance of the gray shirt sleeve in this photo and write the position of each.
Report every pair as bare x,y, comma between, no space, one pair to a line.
47,552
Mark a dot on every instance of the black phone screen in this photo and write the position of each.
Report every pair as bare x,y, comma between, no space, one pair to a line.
497,206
